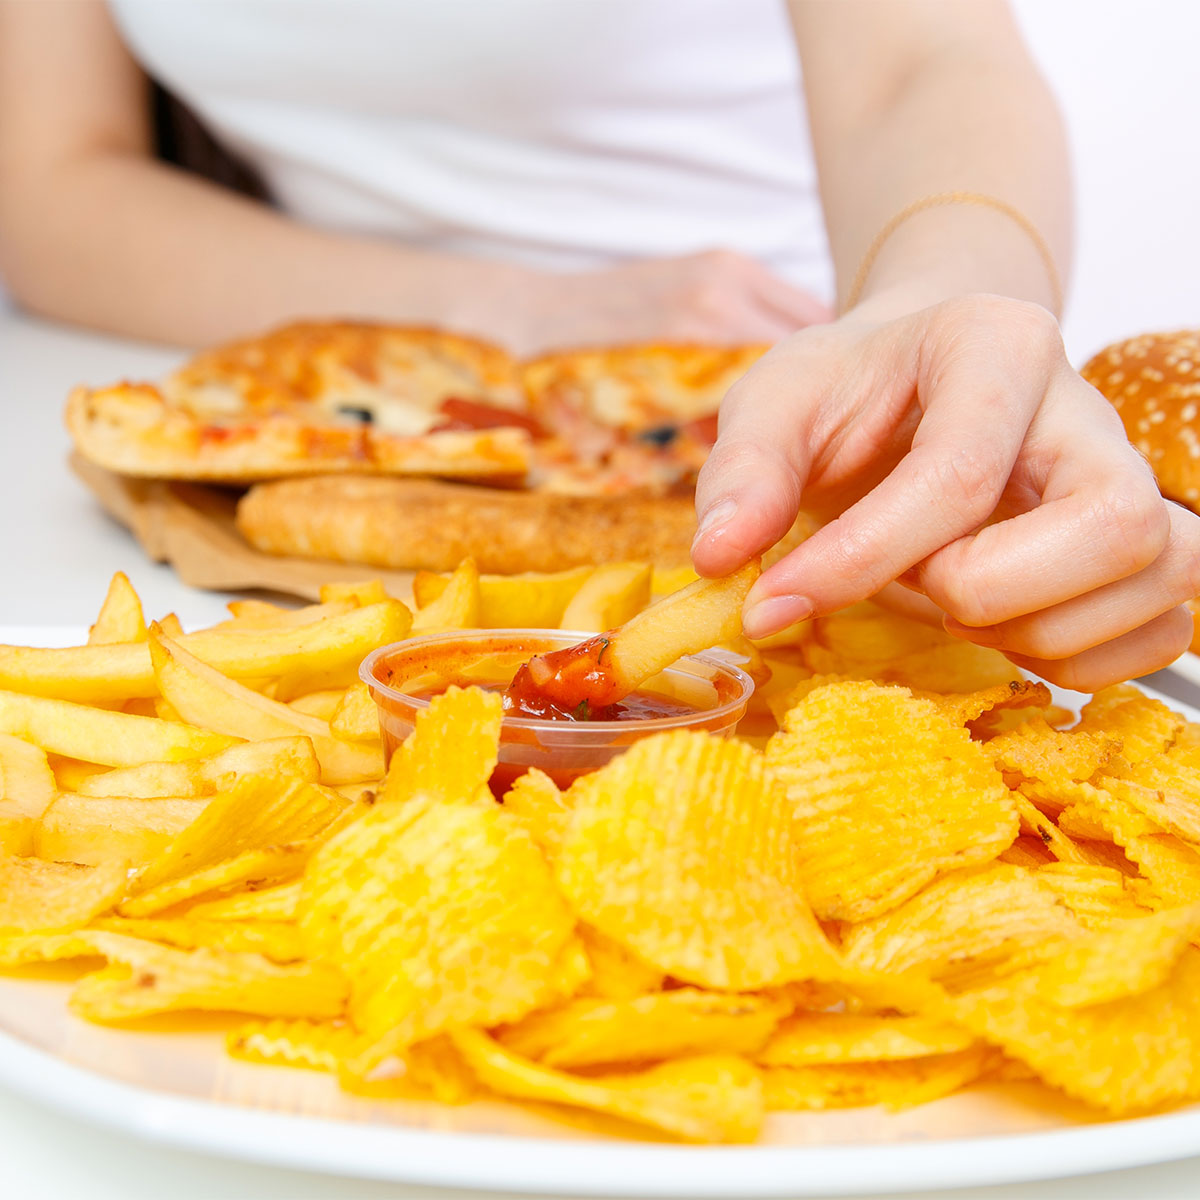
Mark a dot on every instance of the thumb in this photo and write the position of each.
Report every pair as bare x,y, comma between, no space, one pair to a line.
748,492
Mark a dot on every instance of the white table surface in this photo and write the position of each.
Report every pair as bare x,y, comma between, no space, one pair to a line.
57,552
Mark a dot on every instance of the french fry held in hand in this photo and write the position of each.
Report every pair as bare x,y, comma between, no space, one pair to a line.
595,674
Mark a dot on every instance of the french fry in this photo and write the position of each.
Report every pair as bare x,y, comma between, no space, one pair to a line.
96,735
120,618
611,596
203,695
458,605
71,773
369,591
606,668
286,757
532,600
356,718
258,614
322,704
27,786
171,626
321,654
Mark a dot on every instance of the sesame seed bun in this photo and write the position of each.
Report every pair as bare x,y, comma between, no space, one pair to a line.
1153,381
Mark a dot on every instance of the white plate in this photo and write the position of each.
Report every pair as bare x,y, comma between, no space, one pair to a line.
171,1082
1187,665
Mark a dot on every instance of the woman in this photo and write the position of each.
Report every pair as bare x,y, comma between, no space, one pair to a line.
546,173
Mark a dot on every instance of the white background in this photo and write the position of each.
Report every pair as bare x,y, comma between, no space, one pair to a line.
1126,73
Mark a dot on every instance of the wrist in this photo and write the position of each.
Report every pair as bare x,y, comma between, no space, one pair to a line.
948,250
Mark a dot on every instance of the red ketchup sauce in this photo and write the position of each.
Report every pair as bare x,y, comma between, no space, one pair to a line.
565,737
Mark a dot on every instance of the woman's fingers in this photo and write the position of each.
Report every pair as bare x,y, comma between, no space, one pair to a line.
1100,519
1097,616
748,492
979,403
1153,646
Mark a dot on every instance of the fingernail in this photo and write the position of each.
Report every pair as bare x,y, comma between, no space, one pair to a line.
775,613
714,515
985,635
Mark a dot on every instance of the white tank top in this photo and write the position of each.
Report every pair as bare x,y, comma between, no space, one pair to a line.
561,134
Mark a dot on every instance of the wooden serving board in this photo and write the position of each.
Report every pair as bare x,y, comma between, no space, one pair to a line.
191,527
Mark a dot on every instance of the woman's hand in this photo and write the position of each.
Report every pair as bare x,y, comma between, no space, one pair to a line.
719,296
957,451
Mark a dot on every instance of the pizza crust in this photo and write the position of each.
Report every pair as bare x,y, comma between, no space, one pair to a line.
429,525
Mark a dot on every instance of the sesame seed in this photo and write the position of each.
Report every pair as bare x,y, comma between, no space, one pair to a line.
1188,413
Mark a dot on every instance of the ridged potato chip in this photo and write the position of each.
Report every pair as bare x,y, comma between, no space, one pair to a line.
1125,958
431,1070
95,829
1027,851
256,812
144,978
683,1021
964,707
875,826
536,799
968,922
1036,750
266,904
682,851
1123,1056
46,897
715,1098
1144,726
895,1085
1037,824
807,1038
452,749
276,940
316,1045
250,869
1096,894
440,916
615,973
1167,792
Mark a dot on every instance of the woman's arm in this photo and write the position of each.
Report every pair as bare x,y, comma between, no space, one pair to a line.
94,230
909,98
937,426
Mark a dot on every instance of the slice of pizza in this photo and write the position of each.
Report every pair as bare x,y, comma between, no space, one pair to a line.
313,398
637,416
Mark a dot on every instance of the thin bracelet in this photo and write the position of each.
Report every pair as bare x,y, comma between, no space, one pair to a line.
937,200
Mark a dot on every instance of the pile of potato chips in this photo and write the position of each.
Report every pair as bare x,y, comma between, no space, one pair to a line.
909,876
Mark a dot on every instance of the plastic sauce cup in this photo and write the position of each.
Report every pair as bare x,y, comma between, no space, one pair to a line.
403,677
